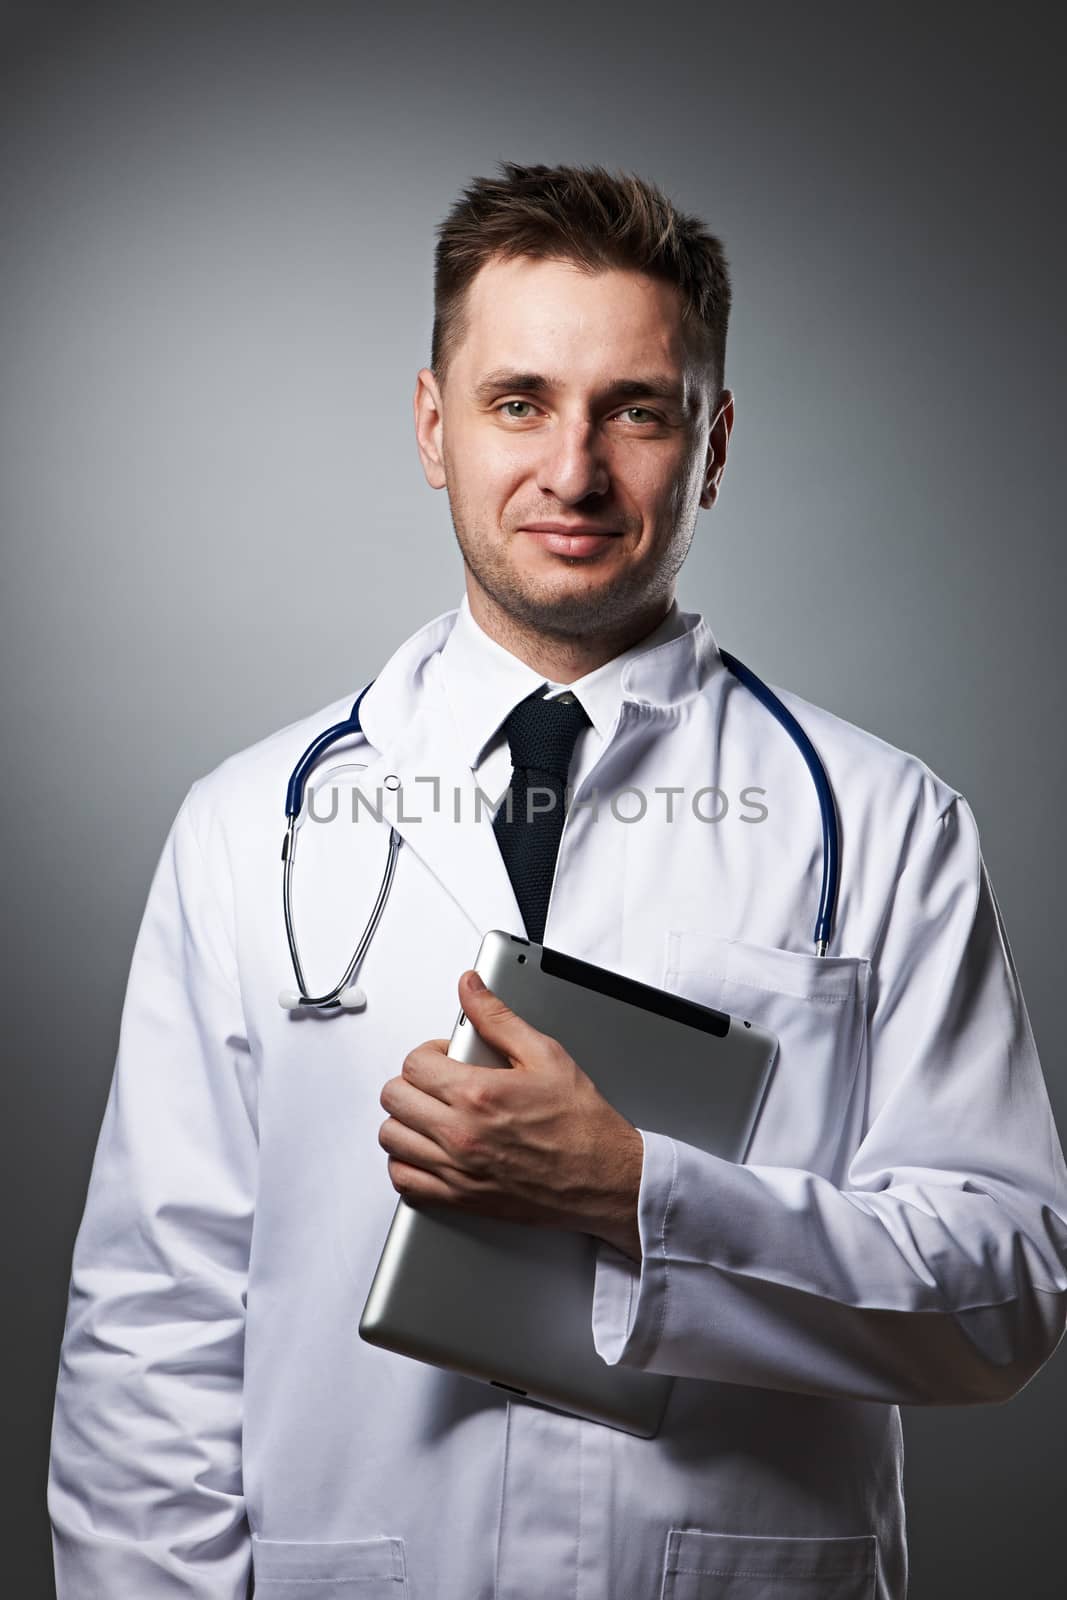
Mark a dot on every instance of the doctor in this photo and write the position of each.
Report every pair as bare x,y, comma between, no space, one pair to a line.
898,1232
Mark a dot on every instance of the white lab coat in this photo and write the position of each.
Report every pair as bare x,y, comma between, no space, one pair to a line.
897,1234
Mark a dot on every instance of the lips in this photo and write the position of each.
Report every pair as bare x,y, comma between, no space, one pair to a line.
570,539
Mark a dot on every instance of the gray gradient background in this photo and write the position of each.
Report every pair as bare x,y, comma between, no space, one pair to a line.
216,271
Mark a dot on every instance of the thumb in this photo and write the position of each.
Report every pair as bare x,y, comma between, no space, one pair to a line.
495,1021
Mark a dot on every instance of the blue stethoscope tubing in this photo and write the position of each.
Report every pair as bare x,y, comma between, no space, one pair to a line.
831,837
344,995
348,996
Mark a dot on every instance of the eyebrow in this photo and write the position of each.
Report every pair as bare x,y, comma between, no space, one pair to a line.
650,387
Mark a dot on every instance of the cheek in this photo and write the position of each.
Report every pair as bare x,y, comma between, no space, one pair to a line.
486,473
656,481
688,481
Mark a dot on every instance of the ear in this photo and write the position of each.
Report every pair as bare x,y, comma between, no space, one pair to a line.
429,428
718,441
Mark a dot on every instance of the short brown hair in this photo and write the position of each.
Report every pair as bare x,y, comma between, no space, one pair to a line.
587,216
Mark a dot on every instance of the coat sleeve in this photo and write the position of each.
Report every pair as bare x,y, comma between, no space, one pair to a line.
937,1274
144,1485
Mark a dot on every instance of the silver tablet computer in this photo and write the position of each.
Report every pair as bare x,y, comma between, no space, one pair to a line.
510,1303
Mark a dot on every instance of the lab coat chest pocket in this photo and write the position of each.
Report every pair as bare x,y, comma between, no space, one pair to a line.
817,1008
348,1569
729,1566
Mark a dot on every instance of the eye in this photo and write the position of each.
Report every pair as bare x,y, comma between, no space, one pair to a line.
507,411
639,414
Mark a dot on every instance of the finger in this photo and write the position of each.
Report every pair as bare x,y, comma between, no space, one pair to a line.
418,1107
432,1070
498,1025
416,1186
415,1148
419,1187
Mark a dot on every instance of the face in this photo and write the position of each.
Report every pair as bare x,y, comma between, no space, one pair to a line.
574,436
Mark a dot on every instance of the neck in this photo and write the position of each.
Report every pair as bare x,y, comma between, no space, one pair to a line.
559,657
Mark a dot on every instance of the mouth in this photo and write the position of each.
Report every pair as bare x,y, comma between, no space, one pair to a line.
581,539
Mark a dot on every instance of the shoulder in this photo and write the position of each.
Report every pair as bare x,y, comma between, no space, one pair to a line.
249,787
244,796
909,840
878,787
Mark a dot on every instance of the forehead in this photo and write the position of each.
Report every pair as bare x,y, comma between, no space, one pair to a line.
553,316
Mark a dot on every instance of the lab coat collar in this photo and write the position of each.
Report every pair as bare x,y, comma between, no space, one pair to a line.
670,667
421,781
483,681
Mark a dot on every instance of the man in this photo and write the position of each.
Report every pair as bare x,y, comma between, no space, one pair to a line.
898,1231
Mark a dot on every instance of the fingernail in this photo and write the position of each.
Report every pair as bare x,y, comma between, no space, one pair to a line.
475,982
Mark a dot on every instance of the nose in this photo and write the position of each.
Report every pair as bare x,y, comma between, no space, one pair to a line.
573,465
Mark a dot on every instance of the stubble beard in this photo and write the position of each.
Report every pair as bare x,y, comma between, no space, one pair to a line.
563,615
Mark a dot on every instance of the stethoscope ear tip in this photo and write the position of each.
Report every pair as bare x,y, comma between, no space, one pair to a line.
289,1000
352,998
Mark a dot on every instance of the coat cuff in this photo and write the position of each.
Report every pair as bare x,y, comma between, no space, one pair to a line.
630,1297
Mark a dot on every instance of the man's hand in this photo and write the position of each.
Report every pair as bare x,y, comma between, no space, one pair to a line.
537,1143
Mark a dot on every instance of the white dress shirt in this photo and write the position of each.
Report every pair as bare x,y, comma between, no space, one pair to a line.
483,683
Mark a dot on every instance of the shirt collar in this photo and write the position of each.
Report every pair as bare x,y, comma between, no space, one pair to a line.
483,682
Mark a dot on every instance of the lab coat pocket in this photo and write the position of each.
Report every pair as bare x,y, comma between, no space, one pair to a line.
817,1008
347,1569
732,1566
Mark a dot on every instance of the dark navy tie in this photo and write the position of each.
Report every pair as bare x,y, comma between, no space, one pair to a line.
529,819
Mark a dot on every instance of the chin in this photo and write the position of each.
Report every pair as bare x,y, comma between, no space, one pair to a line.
572,601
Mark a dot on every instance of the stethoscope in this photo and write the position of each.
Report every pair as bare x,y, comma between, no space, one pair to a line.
348,996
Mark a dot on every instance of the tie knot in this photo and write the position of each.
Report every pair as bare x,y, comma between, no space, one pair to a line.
542,733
